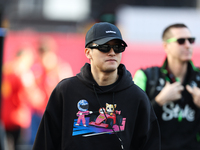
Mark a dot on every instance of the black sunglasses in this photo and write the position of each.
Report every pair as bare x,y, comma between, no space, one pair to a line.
106,48
181,40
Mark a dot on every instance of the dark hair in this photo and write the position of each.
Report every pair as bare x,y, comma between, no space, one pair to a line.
167,34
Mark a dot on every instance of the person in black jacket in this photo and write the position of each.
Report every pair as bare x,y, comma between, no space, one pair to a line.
101,107
174,91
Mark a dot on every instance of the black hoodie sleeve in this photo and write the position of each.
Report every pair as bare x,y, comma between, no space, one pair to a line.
153,137
147,129
49,132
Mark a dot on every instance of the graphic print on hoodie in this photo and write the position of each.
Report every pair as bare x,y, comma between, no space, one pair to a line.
103,121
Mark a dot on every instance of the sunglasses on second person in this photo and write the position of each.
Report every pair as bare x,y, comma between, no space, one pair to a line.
106,48
181,40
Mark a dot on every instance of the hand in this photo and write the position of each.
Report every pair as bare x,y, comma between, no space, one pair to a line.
170,92
195,92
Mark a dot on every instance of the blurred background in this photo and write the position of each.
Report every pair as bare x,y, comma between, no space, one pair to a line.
42,42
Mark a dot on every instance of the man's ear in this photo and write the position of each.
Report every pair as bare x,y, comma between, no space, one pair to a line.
165,46
87,53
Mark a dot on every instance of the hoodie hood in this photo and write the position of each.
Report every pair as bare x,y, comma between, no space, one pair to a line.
125,80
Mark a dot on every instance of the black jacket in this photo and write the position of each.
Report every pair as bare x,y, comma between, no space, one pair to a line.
136,126
179,120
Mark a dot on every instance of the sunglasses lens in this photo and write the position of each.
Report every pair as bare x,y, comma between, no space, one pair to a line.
118,48
104,48
181,41
121,49
191,40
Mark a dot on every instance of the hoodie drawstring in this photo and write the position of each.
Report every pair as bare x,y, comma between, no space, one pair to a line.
122,145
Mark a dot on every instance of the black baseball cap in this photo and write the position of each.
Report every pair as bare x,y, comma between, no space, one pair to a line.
103,32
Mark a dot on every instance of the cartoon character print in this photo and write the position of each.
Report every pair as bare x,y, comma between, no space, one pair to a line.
83,110
110,108
107,117
103,121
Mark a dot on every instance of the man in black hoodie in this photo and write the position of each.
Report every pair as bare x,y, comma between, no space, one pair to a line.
101,107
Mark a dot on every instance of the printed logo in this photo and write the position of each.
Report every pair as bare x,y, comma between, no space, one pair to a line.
193,84
198,78
161,81
173,111
161,84
111,31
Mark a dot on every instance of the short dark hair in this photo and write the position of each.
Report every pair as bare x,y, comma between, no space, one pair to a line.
167,34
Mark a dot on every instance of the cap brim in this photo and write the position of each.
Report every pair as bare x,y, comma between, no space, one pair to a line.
107,39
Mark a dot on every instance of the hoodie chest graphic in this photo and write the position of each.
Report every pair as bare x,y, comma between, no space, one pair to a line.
103,121
171,111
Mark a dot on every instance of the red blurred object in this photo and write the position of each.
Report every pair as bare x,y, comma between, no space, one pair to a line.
15,113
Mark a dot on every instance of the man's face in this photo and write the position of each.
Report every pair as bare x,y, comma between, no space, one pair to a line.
105,62
181,52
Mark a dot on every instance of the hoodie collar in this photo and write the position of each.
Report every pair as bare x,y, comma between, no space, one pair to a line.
124,81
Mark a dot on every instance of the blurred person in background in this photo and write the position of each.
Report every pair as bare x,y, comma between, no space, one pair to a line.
174,91
19,92
127,121
48,70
